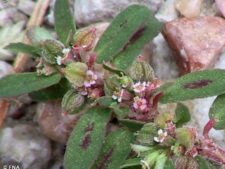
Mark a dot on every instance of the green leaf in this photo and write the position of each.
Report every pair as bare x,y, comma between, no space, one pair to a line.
121,112
38,34
217,112
51,93
127,56
105,101
124,31
195,85
134,162
132,125
21,83
146,134
204,164
161,161
87,138
115,150
182,115
169,164
24,48
64,21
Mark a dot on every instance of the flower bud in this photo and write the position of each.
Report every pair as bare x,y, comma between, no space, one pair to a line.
126,81
112,84
185,137
85,38
141,71
163,118
76,72
51,49
72,102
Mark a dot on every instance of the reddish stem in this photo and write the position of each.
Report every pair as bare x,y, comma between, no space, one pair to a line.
156,100
210,124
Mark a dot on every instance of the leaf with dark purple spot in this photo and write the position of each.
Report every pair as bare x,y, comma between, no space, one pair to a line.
87,138
217,112
195,85
129,31
115,150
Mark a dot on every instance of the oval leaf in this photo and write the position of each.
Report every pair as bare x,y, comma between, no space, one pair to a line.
38,34
64,21
182,115
133,163
86,139
217,112
127,56
24,48
195,85
51,93
22,83
115,150
132,125
126,28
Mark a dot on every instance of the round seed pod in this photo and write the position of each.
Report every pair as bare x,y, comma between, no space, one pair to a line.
141,71
72,102
76,72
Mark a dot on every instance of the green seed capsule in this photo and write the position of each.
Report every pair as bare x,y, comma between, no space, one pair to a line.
72,102
76,72
141,71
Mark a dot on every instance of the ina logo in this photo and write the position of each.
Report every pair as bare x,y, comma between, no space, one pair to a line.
11,164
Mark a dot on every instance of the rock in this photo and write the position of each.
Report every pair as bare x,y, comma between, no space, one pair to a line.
54,123
167,11
221,6
87,12
26,6
5,69
162,61
209,8
189,9
196,43
24,143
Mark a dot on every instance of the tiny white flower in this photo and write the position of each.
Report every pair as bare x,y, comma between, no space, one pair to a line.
65,50
118,95
139,87
59,60
161,136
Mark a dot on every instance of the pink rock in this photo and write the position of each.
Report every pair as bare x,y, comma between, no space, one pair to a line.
221,6
54,123
196,43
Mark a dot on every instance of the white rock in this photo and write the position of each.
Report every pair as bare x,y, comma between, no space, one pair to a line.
26,6
91,11
162,61
25,144
209,8
5,69
167,11
189,8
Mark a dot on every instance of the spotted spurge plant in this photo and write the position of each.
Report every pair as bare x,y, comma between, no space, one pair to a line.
113,85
